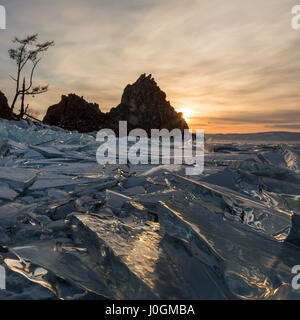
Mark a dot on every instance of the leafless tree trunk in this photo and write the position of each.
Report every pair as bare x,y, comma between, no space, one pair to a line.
22,110
22,55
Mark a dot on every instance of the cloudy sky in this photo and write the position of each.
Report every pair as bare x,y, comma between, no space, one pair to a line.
231,66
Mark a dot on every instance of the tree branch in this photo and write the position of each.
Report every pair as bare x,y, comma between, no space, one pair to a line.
22,55
13,78
32,72
32,117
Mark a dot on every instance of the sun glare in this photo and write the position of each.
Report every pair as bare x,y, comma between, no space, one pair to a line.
187,113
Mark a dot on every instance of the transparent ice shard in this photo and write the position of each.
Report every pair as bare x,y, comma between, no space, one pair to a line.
11,213
60,269
7,193
17,177
141,261
231,204
115,200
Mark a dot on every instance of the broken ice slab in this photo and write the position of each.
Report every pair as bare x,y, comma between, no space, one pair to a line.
73,147
292,159
4,148
59,210
134,191
141,261
161,169
115,200
5,239
294,232
45,163
49,180
6,193
233,205
61,268
15,147
48,152
53,181
134,181
112,169
28,232
225,178
17,178
20,288
165,195
272,157
11,213
59,225
32,154
56,194
140,169
249,263
74,169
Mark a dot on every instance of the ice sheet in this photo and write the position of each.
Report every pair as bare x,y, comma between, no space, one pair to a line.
73,229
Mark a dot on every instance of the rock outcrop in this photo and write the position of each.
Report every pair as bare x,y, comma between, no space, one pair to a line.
144,105
5,111
74,113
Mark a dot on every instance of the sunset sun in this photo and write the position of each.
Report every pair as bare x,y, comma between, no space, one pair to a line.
187,113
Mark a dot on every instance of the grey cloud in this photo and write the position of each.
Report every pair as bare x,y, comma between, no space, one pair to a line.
213,56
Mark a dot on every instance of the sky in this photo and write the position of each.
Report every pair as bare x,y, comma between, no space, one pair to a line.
230,66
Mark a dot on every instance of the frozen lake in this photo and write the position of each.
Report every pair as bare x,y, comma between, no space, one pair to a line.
73,229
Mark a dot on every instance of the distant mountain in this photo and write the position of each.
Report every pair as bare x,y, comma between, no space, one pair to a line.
278,136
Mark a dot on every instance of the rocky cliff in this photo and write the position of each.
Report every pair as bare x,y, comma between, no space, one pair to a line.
74,113
5,111
143,105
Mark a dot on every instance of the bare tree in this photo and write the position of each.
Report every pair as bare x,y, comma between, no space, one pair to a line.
28,51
